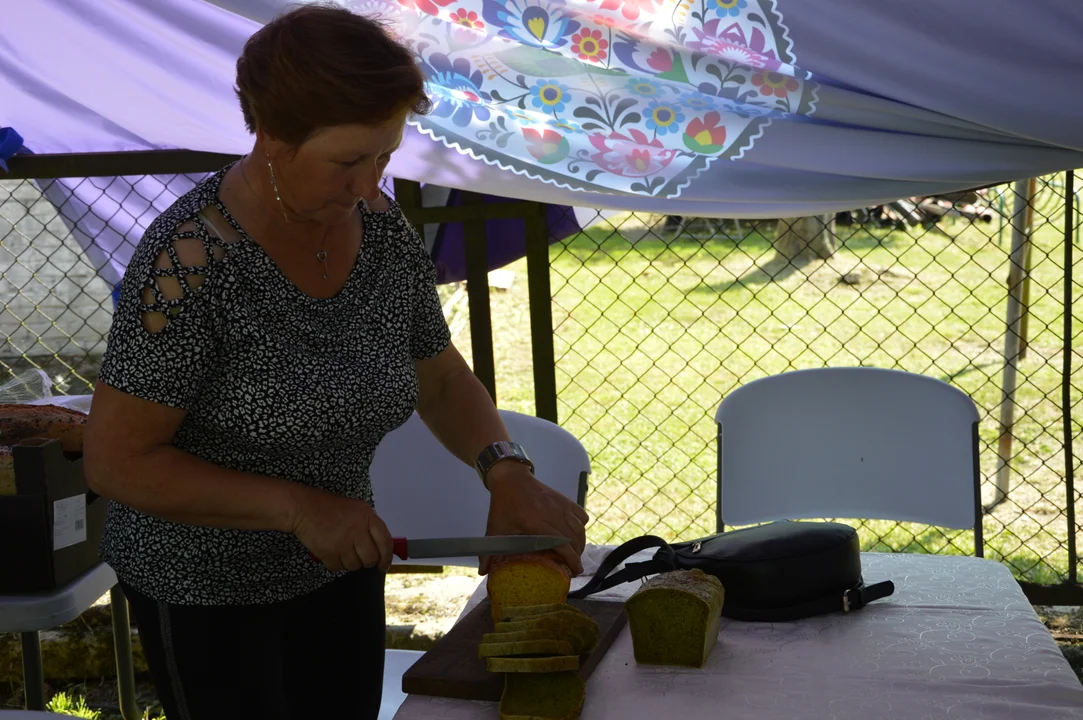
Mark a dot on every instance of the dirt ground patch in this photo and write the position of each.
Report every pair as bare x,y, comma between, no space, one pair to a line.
1066,625
428,602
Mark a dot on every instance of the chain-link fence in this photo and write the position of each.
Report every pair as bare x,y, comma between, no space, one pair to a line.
64,244
657,318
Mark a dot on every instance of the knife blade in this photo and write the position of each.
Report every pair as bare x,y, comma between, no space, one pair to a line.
475,546
472,546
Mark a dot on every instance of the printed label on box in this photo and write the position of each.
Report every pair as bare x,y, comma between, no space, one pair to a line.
69,521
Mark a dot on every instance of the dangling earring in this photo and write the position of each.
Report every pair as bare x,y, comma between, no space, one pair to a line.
274,185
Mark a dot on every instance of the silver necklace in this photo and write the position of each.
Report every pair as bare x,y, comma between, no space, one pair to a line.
321,255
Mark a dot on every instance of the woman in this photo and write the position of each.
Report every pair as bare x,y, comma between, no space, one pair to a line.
274,324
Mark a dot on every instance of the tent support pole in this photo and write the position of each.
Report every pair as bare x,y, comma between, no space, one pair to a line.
1012,339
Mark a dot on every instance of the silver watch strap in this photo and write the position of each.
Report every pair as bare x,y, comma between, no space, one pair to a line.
497,451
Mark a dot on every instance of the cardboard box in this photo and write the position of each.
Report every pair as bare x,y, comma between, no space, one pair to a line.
50,529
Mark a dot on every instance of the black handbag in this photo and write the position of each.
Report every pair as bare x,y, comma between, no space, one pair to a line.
775,572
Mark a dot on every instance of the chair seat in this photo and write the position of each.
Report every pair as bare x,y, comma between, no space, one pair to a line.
396,663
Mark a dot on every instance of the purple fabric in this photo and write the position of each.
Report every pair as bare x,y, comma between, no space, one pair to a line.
109,215
506,239
911,98
894,116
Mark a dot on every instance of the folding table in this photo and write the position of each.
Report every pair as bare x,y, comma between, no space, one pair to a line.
29,614
958,640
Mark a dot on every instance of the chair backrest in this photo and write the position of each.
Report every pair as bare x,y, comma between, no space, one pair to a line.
421,490
851,442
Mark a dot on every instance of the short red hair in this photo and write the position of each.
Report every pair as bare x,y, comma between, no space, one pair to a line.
321,65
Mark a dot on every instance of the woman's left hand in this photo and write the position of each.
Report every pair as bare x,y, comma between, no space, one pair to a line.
520,504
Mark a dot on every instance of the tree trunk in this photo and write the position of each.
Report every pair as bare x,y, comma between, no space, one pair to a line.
808,236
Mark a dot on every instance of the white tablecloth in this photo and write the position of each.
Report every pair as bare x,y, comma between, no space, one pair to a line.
957,640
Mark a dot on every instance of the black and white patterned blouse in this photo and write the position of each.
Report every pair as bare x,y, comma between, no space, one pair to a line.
274,382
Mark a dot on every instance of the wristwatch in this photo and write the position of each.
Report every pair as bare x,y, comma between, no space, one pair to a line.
500,450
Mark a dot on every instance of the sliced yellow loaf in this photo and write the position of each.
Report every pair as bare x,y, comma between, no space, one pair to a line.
674,618
526,579
525,648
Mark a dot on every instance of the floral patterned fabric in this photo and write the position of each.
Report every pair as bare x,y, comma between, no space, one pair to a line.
632,96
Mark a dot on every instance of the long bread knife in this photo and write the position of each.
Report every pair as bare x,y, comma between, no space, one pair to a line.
473,546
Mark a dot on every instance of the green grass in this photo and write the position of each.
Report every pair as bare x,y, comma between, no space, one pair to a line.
72,701
651,334
64,704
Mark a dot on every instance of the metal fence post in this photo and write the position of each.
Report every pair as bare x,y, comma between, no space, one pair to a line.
541,314
477,291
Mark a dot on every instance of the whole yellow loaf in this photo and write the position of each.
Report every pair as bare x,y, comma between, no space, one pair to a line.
674,618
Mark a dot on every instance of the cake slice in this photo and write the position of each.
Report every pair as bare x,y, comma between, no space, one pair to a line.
580,627
20,422
525,648
522,611
520,635
542,696
551,664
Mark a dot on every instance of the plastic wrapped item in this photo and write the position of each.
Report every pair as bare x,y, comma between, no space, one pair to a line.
35,387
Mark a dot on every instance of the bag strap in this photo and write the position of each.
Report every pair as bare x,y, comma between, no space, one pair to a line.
602,580
853,599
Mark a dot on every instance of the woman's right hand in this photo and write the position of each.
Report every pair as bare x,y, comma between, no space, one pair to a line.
343,533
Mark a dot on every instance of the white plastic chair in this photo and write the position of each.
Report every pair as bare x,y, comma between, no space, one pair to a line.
421,490
855,442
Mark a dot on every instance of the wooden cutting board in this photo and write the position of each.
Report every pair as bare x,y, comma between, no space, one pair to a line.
452,668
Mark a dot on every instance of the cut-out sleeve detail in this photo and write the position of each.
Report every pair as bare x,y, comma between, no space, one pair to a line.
165,329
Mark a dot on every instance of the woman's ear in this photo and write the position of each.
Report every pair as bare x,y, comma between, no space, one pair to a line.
268,146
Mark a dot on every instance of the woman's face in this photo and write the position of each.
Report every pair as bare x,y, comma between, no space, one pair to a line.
324,178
